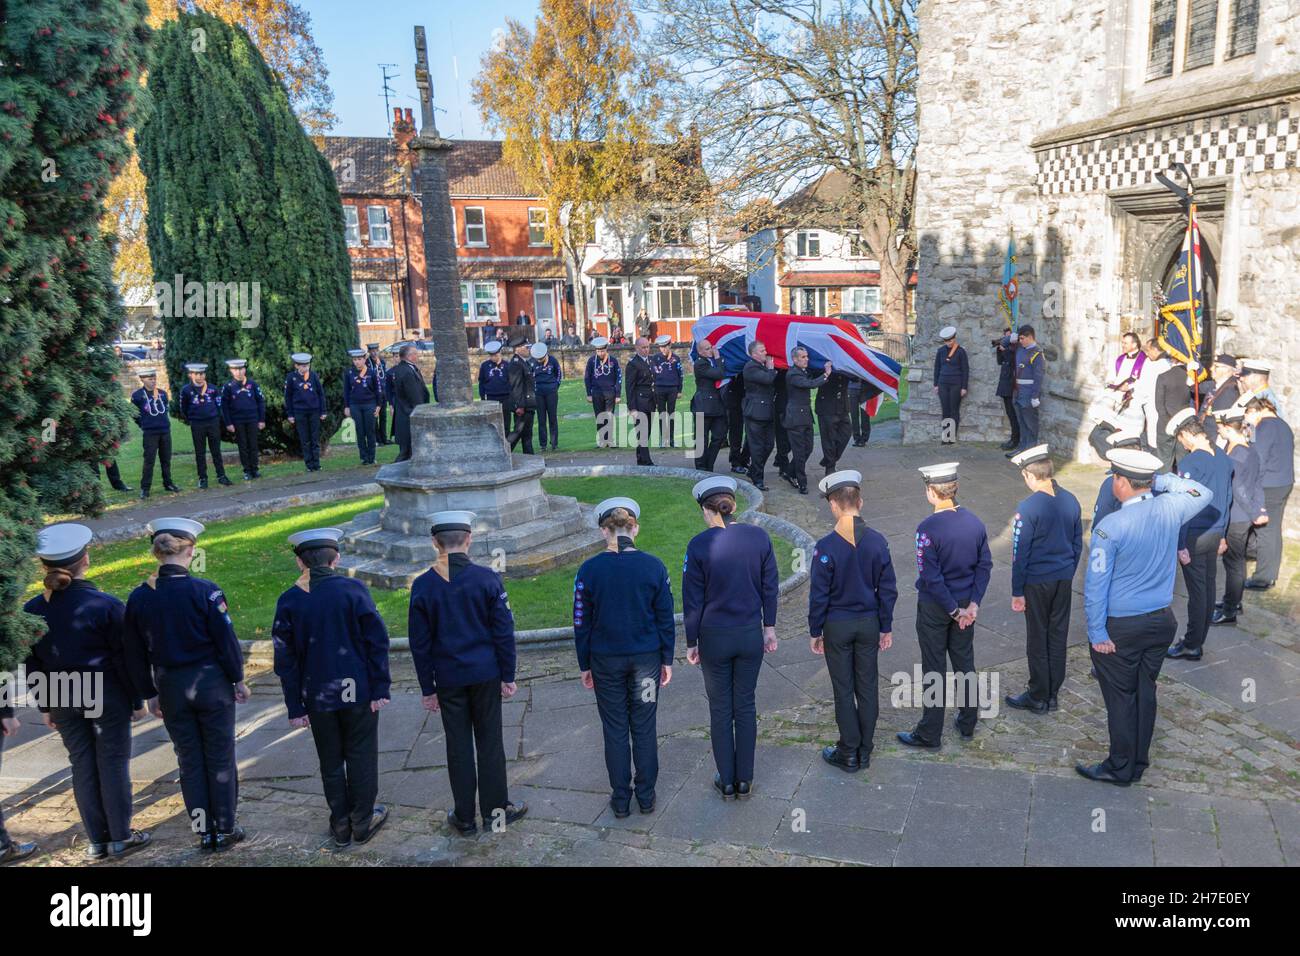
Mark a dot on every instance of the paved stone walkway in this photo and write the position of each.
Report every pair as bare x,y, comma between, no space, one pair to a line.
1222,788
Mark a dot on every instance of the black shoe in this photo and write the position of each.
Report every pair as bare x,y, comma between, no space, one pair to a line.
1008,445
256,475
1095,772
1012,454
864,757
728,791
224,841
377,820
464,829
117,486
120,848
13,852
803,489
223,480
1025,702
646,807
794,482
203,482
206,842
248,476
910,739
1181,651
760,486
342,838
1241,608
1255,584
1220,618
515,813
1052,704
737,470
743,789
96,851
171,486
965,734
144,493
846,762
620,813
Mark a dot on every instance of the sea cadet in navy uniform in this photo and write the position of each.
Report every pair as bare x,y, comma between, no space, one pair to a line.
639,382
494,383
1106,502
708,405
1202,538
953,566
1046,543
378,368
151,415
243,409
463,646
331,655
851,595
800,380
603,380
759,409
1031,372
304,404
951,381
1127,592
668,380
201,410
729,596
547,375
84,689
624,634
361,397
11,851
1275,442
1247,510
186,660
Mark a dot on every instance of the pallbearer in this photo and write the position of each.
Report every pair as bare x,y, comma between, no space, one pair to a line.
708,404
463,646
851,598
304,404
800,380
186,660
150,403
361,397
953,566
331,655
243,408
84,689
201,410
1046,542
624,633
603,379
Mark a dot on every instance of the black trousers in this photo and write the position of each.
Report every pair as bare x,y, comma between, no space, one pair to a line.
1199,578
782,459
730,659
950,407
476,756
1128,685
99,749
665,404
1009,407
308,425
156,444
640,410
548,414
382,432
402,434
709,441
1097,439
246,439
834,430
522,431
1047,630
198,705
801,446
207,438
1166,449
943,642
1234,566
603,406
627,699
737,451
347,743
860,420
1268,564
363,419
760,437
852,648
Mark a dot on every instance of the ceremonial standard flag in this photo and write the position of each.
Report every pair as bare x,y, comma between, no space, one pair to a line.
827,340
1182,314
1009,292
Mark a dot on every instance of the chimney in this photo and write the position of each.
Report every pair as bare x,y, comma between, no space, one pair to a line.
403,128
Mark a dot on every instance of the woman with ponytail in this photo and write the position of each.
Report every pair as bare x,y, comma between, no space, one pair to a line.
624,632
77,676
729,596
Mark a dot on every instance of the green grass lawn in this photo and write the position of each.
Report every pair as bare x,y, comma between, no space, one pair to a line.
251,561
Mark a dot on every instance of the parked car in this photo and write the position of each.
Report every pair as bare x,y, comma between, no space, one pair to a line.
132,350
865,321
422,345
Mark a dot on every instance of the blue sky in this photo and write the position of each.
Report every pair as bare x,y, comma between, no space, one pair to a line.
356,37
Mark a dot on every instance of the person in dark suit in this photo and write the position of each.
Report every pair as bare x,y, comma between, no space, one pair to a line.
733,397
798,416
707,403
759,409
833,422
951,381
640,379
523,395
1005,349
409,392
1173,393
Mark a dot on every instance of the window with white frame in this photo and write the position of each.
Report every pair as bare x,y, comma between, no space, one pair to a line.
665,229
857,246
808,301
537,226
455,236
609,296
351,226
381,234
478,301
862,299
1205,31
808,244
475,226
373,302
674,298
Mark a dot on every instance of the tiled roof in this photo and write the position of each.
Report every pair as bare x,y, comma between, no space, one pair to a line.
368,166
831,279
476,168
515,268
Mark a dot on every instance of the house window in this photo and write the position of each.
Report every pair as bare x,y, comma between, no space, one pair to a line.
810,301
1160,59
455,236
351,226
675,298
537,227
373,301
377,221
1202,23
862,299
808,244
475,226
665,230
1212,31
482,296
609,297
1243,24
857,247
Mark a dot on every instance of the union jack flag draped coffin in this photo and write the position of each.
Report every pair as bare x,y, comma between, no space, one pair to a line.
832,340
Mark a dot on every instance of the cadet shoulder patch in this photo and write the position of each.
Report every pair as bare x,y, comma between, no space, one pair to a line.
1100,533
